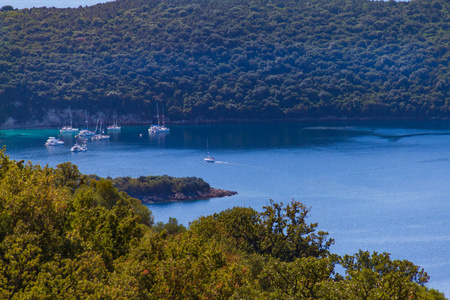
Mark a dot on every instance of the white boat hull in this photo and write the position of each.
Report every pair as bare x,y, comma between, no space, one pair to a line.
209,159
158,129
78,148
113,128
86,133
52,141
68,130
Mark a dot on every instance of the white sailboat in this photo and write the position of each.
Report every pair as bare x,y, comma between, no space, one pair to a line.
100,136
158,128
69,129
86,132
208,158
114,127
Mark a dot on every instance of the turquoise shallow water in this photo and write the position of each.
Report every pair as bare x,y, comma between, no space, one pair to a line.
372,186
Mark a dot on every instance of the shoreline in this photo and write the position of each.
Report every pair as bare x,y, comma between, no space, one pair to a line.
9,126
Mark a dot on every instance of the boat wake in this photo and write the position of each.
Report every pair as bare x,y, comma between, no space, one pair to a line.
386,134
340,128
224,162
237,165
395,138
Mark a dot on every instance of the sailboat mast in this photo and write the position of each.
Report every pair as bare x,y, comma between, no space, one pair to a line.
157,112
163,122
96,126
70,115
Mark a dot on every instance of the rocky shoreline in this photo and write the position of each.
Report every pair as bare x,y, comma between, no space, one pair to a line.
211,193
57,118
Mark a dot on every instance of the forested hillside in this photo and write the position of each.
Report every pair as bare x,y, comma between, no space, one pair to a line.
227,59
64,235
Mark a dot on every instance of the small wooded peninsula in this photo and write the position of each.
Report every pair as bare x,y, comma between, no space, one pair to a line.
226,61
150,189
65,235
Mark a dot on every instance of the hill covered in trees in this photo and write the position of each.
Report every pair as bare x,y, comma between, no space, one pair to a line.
64,235
226,59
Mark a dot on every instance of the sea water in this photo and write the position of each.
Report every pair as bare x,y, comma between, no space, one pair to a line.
373,186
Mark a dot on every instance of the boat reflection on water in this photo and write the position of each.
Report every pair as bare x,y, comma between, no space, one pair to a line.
159,138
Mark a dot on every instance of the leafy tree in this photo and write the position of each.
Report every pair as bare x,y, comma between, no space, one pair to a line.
303,278
171,227
376,276
278,231
68,175
288,236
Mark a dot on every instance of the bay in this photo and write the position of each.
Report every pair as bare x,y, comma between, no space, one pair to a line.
373,186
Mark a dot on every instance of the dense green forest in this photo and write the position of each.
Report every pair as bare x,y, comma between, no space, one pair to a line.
64,235
226,60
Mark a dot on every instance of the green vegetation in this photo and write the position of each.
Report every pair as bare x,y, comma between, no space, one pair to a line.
64,235
228,59
160,186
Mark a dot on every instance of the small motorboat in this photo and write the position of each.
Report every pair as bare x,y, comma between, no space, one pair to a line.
113,128
86,133
68,129
158,129
52,141
79,148
100,137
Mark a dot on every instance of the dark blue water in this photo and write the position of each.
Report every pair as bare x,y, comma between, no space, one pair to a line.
372,186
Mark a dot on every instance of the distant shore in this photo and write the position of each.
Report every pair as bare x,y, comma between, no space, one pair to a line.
131,121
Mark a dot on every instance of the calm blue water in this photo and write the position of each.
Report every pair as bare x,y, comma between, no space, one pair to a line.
372,186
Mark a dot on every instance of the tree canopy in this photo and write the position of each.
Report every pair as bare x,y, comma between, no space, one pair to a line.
222,60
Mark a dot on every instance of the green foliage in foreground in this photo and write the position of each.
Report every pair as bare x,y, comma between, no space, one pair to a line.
228,59
66,236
